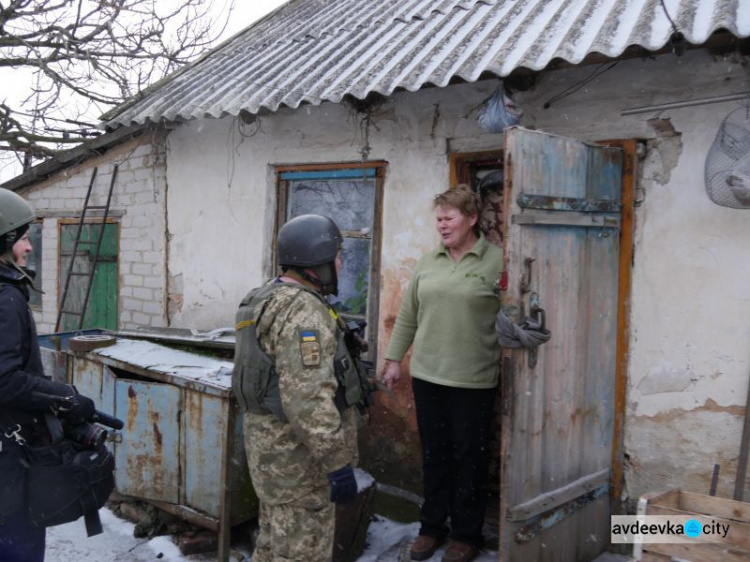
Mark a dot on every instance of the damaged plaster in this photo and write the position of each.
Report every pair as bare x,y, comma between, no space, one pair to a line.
662,153
680,447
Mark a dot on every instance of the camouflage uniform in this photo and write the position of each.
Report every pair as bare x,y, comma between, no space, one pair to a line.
289,461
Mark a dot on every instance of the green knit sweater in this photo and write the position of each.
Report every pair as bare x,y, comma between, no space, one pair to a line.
448,313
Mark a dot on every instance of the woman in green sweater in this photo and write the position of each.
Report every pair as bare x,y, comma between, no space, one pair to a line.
448,316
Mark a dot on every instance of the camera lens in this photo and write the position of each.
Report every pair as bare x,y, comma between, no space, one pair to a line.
89,435
95,436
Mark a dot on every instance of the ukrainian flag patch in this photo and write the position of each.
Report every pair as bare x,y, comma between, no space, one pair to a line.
307,336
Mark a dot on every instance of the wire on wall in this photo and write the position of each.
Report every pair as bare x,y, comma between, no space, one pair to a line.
677,39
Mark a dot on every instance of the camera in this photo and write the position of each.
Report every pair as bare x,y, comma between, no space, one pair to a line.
89,434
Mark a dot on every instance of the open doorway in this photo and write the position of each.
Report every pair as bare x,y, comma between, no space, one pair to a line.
483,172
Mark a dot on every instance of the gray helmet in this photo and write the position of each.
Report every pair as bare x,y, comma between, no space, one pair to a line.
15,215
311,242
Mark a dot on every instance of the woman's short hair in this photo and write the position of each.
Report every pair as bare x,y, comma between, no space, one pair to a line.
461,197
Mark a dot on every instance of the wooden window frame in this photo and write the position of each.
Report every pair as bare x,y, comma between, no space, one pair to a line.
38,252
373,297
460,164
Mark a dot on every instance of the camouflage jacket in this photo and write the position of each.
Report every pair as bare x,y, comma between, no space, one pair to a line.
288,460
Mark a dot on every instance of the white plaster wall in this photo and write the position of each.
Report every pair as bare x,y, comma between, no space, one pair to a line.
137,205
690,301
222,200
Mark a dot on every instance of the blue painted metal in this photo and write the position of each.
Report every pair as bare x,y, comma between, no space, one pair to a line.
204,433
87,378
182,443
148,459
330,174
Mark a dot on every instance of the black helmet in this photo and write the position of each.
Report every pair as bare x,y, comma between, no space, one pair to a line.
15,216
311,242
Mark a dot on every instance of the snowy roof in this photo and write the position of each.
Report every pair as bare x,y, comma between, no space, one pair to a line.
311,51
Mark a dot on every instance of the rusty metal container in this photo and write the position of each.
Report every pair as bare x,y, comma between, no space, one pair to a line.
181,448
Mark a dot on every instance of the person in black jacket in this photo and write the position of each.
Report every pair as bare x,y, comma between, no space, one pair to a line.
25,393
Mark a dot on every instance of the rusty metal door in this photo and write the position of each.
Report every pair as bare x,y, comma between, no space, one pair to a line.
148,458
562,209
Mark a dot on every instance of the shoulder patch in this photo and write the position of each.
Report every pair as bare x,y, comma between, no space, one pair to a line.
309,348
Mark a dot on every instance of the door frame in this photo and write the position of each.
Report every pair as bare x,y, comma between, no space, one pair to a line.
627,235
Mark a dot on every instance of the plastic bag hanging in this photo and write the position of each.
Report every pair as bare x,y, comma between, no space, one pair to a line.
498,112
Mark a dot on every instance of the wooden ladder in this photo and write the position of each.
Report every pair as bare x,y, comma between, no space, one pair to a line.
87,275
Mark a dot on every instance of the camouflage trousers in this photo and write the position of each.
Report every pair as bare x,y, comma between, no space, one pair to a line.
298,531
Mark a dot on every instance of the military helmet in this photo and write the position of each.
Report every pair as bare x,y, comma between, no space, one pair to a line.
308,240
311,242
14,211
15,215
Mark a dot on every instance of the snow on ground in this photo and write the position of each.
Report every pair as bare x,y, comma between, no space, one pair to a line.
386,540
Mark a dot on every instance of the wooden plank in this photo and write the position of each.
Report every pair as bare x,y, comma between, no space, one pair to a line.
738,535
557,167
594,529
565,218
710,505
331,166
627,230
699,552
521,432
604,170
583,204
654,557
558,497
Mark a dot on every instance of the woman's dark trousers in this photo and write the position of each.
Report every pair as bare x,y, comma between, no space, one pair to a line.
455,427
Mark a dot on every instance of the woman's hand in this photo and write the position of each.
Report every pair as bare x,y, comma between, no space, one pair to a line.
391,374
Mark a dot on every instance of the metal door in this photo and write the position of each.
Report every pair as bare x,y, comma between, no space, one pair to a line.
562,209
148,458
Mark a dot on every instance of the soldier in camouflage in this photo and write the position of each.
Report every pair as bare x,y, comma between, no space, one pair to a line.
297,385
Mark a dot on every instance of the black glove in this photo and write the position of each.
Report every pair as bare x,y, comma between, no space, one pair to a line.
77,407
343,485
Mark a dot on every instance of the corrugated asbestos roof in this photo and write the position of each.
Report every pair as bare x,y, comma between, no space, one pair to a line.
321,50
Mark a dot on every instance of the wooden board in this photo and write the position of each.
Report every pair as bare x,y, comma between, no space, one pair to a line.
735,547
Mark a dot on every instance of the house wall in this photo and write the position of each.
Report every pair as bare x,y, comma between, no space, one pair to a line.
137,205
690,300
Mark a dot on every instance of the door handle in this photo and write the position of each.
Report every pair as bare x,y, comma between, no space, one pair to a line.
526,277
537,317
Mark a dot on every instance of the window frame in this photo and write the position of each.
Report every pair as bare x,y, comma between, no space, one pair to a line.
462,162
373,296
38,255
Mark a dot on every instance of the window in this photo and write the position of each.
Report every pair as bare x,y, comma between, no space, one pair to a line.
351,197
35,263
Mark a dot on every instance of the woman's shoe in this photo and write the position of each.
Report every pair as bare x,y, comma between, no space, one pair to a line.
458,551
424,547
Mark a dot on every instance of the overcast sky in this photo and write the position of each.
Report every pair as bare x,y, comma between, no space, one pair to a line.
16,84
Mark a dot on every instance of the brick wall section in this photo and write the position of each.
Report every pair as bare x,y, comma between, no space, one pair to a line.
138,205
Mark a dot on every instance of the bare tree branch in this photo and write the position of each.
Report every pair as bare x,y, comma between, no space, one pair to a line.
86,52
